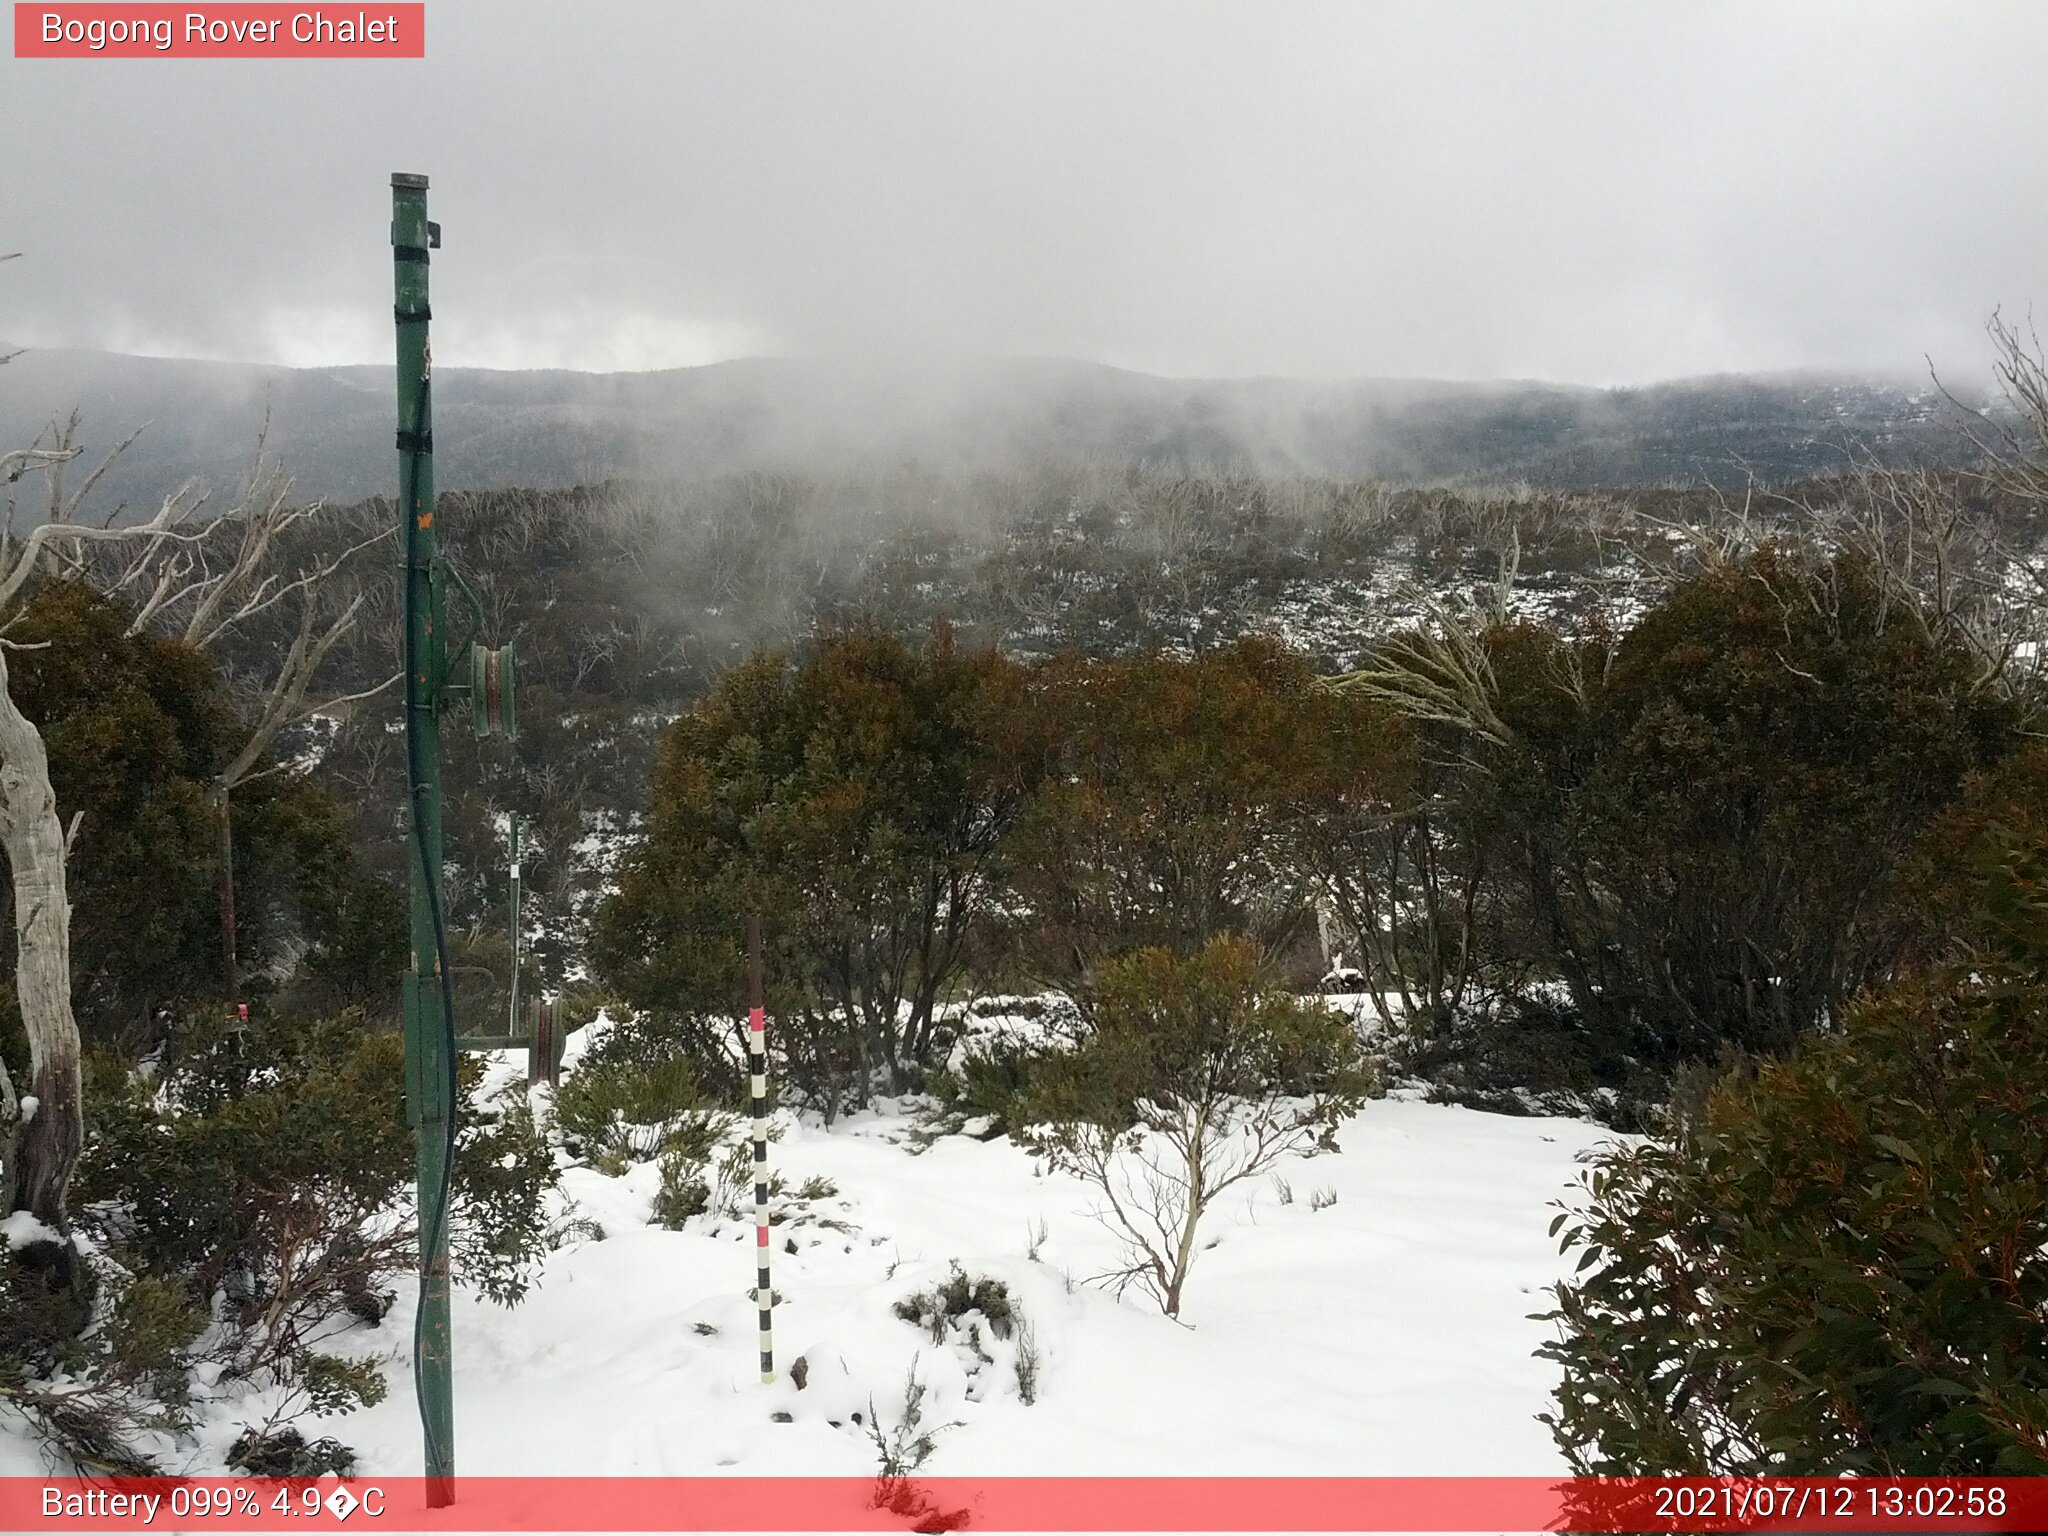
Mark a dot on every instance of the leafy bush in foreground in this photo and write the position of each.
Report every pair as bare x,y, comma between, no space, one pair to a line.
247,1206
1836,1264
1196,1077
636,1102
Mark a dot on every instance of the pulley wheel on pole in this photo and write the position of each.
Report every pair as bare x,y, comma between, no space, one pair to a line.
493,692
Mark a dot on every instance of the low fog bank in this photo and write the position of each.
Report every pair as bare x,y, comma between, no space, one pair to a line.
331,427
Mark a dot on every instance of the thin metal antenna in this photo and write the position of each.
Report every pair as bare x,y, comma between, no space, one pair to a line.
512,1023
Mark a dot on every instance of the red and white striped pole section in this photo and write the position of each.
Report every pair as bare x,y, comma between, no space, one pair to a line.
757,1061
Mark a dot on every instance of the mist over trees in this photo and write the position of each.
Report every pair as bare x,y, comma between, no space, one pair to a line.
926,835
1689,839
955,416
1600,799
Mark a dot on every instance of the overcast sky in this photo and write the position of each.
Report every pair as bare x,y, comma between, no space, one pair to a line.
1601,193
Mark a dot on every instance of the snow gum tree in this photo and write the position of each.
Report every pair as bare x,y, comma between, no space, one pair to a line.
1194,1078
135,727
203,595
42,1140
857,800
43,1134
1168,822
1695,827
172,562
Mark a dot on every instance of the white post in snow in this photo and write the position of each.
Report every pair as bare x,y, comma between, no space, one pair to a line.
512,1023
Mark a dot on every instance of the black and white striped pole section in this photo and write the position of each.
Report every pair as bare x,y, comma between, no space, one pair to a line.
757,1062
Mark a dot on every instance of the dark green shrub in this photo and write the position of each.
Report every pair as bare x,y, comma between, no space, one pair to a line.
137,727
1706,819
684,1191
991,1083
266,1178
625,1105
90,1390
255,1193
257,1169
1699,832
1528,1055
1195,1077
505,1177
1834,1264
287,1453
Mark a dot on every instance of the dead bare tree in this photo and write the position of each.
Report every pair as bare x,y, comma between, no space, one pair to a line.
1440,672
196,579
2013,455
1943,567
203,593
1933,537
1942,563
42,1131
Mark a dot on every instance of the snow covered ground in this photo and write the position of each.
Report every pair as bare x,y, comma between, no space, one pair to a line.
1387,1333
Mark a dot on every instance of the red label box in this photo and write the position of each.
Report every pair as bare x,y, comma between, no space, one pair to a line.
369,30
1017,1504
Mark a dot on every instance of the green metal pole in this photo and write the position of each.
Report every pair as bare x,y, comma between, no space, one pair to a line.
430,1063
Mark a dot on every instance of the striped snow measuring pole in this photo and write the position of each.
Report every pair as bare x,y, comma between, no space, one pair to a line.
757,1061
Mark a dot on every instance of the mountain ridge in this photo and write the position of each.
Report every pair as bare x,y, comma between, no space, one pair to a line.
495,428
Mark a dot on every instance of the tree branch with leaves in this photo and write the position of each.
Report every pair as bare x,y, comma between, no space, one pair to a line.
1195,1078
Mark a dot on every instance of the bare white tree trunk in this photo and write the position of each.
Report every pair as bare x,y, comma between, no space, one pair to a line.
169,567
45,1144
158,564
10,1133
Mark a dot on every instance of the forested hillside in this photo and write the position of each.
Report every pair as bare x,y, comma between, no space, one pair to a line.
627,601
1062,793
555,429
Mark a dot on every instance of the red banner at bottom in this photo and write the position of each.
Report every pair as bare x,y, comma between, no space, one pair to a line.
1027,1504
